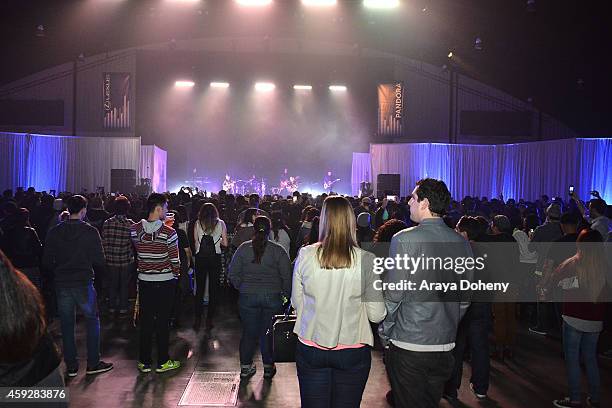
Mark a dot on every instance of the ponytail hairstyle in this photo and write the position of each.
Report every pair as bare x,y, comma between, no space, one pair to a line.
262,227
278,223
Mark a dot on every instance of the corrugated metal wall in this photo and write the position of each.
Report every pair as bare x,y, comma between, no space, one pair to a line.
427,102
57,83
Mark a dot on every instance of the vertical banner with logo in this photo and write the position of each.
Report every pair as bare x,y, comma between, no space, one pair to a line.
390,109
116,100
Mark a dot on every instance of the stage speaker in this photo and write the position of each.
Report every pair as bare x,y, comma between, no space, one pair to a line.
387,184
123,180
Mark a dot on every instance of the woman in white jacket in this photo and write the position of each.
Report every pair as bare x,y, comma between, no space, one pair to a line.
335,301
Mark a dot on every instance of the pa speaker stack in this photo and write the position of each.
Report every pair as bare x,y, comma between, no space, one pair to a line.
123,180
387,184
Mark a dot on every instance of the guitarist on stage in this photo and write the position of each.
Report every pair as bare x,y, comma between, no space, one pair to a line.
328,182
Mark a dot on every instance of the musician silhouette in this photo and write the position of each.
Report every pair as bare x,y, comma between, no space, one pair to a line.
329,181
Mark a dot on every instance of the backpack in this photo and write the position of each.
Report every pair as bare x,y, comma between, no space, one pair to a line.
207,246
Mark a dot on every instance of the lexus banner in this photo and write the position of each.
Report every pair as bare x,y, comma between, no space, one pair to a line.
116,100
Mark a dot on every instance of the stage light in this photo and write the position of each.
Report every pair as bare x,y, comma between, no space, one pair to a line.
450,55
478,44
531,6
302,87
337,88
219,85
264,86
249,3
319,2
381,4
184,84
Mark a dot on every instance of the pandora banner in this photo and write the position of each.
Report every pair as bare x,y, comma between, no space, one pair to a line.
390,109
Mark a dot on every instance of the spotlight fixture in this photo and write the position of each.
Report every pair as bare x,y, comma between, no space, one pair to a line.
450,54
250,3
531,6
302,87
381,4
184,84
40,30
478,44
319,2
337,88
219,85
264,86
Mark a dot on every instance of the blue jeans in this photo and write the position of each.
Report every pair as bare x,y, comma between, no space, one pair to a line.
85,298
576,344
256,312
332,378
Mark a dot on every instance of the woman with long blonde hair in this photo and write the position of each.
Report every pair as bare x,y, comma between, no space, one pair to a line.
583,280
333,296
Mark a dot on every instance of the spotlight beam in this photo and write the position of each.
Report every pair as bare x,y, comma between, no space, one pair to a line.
381,4
184,84
264,86
319,2
253,3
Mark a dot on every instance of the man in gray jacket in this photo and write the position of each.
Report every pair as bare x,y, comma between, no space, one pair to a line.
421,323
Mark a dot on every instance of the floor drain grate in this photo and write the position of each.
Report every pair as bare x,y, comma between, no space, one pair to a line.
212,388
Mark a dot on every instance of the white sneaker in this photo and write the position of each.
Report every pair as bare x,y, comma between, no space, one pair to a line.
479,396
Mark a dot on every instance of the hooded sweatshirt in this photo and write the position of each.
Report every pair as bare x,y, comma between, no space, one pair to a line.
73,251
156,249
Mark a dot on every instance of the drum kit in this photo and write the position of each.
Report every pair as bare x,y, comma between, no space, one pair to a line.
199,183
244,187
259,186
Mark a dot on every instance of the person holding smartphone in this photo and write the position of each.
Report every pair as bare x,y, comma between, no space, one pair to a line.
597,212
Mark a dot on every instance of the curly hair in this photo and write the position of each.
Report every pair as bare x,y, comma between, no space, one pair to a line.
386,231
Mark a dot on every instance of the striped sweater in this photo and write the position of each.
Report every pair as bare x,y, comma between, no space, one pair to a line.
156,250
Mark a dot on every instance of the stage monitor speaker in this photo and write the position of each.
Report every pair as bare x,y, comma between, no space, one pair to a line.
123,180
387,184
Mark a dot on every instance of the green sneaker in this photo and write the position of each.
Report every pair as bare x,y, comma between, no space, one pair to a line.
144,368
168,366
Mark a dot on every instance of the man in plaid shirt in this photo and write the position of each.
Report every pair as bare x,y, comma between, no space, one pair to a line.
119,254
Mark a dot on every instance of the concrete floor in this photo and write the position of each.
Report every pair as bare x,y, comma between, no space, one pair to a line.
534,378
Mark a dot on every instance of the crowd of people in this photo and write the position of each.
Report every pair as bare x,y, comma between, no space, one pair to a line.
97,252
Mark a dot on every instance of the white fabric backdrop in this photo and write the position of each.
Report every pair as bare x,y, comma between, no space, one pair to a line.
524,170
64,163
153,161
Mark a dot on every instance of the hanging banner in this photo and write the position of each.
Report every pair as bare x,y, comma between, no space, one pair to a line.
116,100
390,109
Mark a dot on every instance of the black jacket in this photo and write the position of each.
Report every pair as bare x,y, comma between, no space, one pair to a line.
73,250
22,247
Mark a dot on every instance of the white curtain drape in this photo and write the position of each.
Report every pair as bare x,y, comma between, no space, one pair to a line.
361,171
524,170
64,163
153,162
